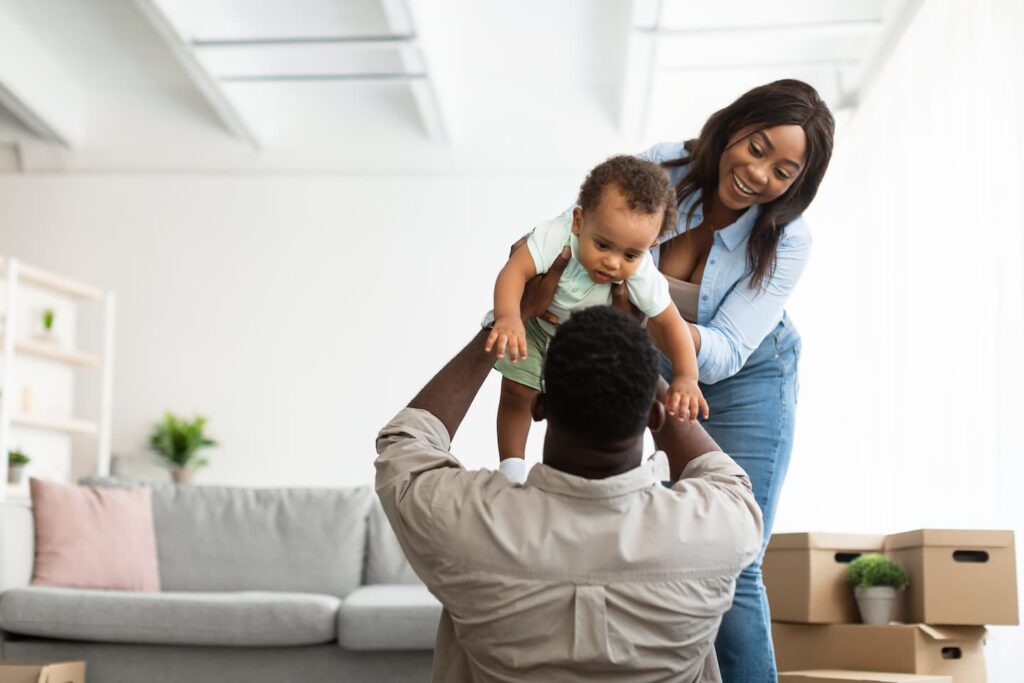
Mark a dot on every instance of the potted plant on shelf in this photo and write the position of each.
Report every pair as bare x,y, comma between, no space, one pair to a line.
178,441
47,319
16,461
875,579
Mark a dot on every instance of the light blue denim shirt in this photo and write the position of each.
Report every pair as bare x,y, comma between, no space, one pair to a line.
732,317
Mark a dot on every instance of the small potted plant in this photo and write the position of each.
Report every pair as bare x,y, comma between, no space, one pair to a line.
177,441
875,579
47,319
16,461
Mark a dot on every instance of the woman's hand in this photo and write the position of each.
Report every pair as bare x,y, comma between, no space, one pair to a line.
685,400
540,290
510,333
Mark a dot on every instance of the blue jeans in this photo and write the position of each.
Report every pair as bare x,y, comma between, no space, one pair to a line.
752,419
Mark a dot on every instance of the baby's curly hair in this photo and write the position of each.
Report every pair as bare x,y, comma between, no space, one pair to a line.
644,185
600,375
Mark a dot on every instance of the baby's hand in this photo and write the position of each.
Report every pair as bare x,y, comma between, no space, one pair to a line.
507,332
685,399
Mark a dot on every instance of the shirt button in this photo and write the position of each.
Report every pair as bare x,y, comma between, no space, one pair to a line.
705,297
712,261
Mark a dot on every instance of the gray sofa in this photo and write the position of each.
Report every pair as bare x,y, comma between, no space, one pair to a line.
257,585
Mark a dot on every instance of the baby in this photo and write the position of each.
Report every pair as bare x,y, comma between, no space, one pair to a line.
624,204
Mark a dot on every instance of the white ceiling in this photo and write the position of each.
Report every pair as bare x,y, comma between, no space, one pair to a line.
407,85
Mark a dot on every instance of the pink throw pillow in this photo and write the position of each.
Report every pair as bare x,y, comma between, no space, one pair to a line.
90,537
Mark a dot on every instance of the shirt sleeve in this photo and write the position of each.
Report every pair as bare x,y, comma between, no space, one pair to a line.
547,241
747,315
414,468
662,152
717,479
648,288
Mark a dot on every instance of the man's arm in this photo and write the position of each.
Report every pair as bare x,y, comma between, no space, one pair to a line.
681,440
452,390
450,393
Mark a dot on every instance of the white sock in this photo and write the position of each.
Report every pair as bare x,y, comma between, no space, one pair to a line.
514,469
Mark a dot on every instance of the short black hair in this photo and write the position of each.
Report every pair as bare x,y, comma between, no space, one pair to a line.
600,375
644,185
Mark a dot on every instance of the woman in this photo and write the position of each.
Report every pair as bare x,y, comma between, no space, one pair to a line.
739,248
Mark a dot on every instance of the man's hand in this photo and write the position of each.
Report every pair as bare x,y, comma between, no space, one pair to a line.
507,332
620,300
540,290
685,399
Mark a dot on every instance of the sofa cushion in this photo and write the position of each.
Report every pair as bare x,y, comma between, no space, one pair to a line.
247,619
93,537
389,618
385,561
213,538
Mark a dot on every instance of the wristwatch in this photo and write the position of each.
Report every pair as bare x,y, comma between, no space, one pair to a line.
488,322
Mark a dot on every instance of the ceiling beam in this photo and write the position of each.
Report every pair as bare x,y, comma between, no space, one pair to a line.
205,83
768,64
334,78
354,42
837,26
902,17
641,65
36,90
413,61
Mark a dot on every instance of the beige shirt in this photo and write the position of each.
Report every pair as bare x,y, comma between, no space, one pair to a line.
566,578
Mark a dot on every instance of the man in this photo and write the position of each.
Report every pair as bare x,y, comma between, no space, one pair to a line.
592,570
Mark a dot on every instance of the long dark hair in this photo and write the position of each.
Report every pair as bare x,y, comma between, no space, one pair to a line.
785,102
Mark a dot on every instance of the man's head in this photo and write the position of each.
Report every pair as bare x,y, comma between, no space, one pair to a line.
624,204
600,377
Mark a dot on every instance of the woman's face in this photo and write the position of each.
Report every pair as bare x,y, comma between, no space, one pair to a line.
759,165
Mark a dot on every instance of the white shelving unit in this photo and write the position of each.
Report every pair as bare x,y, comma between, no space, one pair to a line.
19,349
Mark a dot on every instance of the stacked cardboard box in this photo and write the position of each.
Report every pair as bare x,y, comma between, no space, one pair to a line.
37,672
960,581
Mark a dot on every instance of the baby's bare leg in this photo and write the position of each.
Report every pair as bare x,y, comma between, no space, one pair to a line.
514,423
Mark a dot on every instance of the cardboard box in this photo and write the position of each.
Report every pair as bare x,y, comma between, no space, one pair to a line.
900,648
832,675
956,576
803,574
37,672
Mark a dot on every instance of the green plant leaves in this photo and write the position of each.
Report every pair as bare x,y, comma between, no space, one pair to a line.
875,569
17,457
177,440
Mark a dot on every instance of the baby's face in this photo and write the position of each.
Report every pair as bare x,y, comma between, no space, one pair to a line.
613,237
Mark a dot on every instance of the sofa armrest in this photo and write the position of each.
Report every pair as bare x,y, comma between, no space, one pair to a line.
17,545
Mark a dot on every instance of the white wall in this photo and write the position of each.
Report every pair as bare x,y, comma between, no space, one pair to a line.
297,313
912,307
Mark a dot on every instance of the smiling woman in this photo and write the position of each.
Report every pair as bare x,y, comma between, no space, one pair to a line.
733,258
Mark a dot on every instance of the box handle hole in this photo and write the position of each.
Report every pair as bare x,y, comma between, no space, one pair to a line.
951,653
846,558
978,556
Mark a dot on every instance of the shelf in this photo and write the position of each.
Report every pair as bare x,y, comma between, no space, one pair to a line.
55,352
54,282
18,494
57,423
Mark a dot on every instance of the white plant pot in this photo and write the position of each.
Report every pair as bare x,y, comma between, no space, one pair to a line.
15,473
875,603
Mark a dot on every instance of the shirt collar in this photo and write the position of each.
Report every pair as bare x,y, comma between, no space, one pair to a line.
574,246
737,232
731,235
551,480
